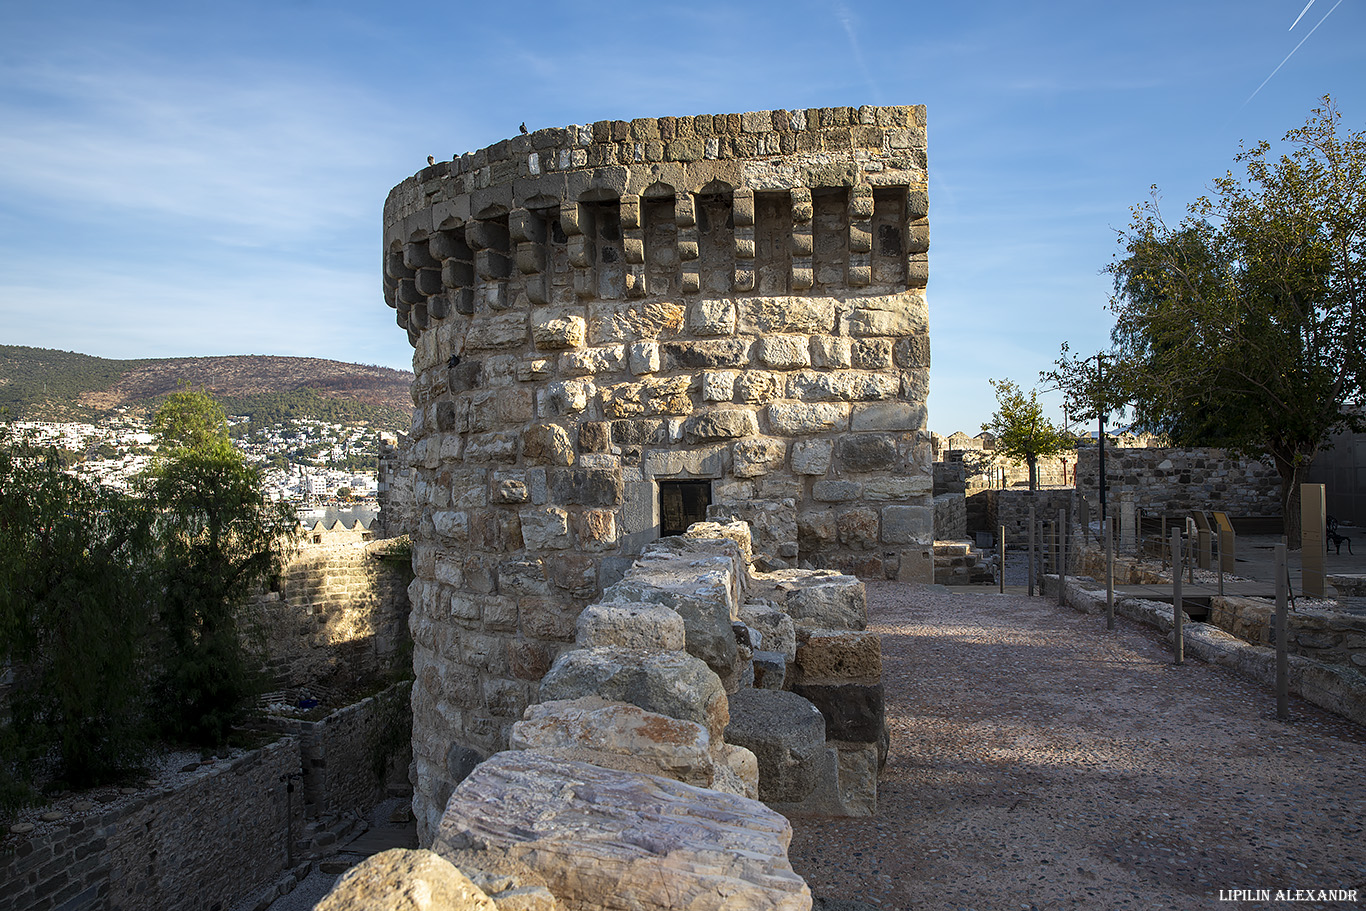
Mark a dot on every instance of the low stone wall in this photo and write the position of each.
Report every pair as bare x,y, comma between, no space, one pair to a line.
348,756
950,517
201,846
1334,687
1175,482
340,616
1331,637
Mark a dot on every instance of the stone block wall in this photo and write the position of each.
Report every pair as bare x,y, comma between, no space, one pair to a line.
201,846
347,757
603,314
1010,507
340,616
1174,482
397,508
950,517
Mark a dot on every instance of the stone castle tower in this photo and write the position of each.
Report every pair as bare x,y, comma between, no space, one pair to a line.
621,328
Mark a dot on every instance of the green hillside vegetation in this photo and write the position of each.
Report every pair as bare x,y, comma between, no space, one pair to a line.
42,384
270,408
38,384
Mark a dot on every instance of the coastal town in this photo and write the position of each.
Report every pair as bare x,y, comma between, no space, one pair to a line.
311,462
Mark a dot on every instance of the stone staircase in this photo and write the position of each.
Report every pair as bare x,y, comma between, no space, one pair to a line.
961,563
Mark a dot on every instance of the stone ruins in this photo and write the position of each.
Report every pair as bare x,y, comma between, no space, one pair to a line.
626,328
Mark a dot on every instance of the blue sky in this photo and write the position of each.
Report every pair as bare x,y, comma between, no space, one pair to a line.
196,178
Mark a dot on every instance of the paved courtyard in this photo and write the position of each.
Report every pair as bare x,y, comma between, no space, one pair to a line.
1041,762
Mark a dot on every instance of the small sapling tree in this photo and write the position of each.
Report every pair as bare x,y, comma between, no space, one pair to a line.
1021,430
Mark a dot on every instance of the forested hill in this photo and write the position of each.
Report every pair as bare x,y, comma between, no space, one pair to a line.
39,384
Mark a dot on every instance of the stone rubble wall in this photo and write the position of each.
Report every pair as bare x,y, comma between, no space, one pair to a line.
1010,507
348,756
1175,482
1329,637
950,517
340,616
600,310
203,845
397,507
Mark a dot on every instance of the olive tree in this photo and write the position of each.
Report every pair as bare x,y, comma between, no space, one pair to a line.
1242,326
1021,430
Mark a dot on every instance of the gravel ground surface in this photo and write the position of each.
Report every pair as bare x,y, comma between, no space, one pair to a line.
1041,762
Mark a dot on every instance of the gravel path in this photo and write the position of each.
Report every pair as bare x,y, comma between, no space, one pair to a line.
1041,762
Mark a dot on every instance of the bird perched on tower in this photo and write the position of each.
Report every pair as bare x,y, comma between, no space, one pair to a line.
431,159
523,127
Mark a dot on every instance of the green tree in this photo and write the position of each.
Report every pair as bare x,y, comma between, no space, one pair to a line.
1242,326
190,419
1021,430
219,539
74,623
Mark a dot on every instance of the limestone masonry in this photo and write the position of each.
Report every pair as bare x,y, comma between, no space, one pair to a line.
624,328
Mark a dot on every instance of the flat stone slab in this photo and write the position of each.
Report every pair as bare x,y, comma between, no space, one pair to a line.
620,841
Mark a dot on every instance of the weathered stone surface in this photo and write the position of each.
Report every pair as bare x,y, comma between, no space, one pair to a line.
585,486
403,880
547,444
868,452
703,590
754,457
736,770
907,524
582,829
617,735
670,683
770,670
777,632
853,711
838,656
797,418
732,530
720,424
811,457
786,733
784,352
768,315
551,333
822,599
643,626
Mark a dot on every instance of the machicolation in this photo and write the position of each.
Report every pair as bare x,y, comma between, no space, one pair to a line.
624,328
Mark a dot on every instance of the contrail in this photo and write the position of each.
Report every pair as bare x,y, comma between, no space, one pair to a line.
1296,48
1301,16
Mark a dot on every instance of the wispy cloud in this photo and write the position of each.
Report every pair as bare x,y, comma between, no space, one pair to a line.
252,158
848,23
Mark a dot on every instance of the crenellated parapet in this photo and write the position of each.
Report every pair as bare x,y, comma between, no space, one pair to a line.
805,202
624,328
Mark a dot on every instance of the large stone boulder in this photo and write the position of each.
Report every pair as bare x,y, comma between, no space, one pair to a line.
617,735
404,880
646,626
786,733
619,841
670,683
701,585
818,598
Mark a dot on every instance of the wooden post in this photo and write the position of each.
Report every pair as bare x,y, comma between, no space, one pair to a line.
1001,554
1178,608
1282,646
1062,556
1313,540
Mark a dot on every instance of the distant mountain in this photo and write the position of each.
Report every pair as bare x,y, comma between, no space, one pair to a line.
42,384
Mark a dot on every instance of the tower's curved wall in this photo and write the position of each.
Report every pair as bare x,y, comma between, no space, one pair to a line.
600,312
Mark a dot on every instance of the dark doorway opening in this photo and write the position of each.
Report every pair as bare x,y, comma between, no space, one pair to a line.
682,503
